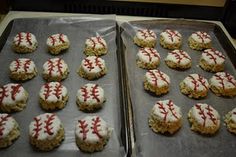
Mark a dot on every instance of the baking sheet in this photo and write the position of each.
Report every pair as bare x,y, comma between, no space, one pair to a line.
185,142
77,29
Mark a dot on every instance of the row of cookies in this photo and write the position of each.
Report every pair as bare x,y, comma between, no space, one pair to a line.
165,116
172,39
47,132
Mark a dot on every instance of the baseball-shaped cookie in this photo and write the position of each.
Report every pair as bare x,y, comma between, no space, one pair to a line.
53,95
46,132
90,97
170,39
165,116
178,59
199,40
57,43
223,84
157,82
230,121
204,119
145,38
24,43
55,69
212,60
148,58
9,130
92,133
13,97
92,67
194,86
22,69
95,46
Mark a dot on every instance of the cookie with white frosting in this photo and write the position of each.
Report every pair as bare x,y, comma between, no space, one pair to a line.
223,84
92,67
194,86
200,40
92,133
157,82
53,95
95,46
46,132
170,39
90,97
9,130
230,121
148,58
57,43
13,97
165,117
22,69
204,119
212,60
55,69
178,59
145,38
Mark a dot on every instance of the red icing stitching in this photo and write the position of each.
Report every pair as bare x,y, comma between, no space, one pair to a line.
47,91
15,90
172,109
53,40
202,36
88,64
37,125
155,78
147,33
210,114
163,110
201,113
3,93
19,40
85,93
216,53
59,65
148,53
172,34
61,38
94,43
27,64
98,62
84,130
96,126
95,93
48,128
58,90
2,123
178,55
228,77
17,64
50,66
28,38
196,81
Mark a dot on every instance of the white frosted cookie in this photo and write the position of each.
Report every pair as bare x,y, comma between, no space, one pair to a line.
46,132
22,69
145,38
157,82
178,59
223,84
194,86
57,43
204,119
13,97
55,69
230,121
165,117
90,97
170,39
148,58
212,60
92,67
95,46
9,130
92,134
199,41
53,95
24,43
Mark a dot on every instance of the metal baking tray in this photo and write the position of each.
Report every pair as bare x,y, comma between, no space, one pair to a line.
77,29
146,143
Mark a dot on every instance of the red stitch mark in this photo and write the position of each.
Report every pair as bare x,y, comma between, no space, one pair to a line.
147,33
61,38
27,64
84,130
163,110
47,91
48,128
50,66
162,76
37,128
2,123
196,82
96,126
228,78
201,113
59,65
149,52
85,93
19,40
53,40
58,90
202,36
28,38
98,62
211,115
17,65
171,108
94,43
180,56
3,93
215,53
15,90
88,64
172,34
153,76
95,93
